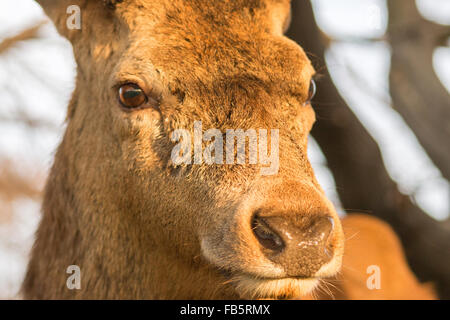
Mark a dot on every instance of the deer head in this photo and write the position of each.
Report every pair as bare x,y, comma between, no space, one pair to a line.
144,225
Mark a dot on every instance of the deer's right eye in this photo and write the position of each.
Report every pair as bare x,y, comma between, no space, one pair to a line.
131,96
312,91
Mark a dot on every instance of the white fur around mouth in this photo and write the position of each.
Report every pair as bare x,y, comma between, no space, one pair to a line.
250,287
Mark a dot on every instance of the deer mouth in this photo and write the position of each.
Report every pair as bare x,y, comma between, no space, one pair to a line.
250,286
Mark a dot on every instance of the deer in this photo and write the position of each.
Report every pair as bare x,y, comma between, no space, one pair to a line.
140,226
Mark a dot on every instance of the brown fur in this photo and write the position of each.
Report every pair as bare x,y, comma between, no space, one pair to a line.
369,242
115,205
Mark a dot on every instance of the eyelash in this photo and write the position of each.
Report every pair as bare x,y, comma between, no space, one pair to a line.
311,94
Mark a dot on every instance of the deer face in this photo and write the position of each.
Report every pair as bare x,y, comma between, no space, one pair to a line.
149,68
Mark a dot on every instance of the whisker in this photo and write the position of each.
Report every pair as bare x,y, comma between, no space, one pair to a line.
352,236
349,268
328,282
330,290
322,288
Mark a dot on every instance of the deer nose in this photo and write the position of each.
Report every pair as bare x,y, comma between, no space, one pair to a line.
300,247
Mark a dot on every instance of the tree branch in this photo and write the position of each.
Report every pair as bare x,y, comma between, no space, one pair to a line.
27,34
417,93
14,185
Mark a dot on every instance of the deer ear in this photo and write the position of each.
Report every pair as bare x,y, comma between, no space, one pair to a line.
281,15
65,14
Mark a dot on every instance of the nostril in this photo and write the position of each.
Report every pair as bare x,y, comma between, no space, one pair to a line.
265,235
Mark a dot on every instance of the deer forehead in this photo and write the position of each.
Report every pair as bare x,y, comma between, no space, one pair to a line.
215,37
269,14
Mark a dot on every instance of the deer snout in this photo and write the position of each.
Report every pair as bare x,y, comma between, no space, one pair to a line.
301,248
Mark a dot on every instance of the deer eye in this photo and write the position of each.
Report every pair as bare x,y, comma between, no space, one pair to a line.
131,96
312,91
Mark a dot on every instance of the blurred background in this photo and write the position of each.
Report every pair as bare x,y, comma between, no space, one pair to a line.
381,144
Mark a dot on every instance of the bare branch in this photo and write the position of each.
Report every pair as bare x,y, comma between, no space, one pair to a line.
27,34
417,93
14,185
28,121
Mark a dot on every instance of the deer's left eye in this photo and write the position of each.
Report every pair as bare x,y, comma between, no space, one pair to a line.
312,91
